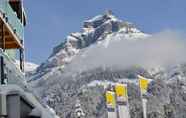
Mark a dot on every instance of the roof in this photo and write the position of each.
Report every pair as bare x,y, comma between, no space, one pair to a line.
29,98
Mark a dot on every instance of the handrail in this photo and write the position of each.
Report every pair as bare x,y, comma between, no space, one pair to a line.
11,18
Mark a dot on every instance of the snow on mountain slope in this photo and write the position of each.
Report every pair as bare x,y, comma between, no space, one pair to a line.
82,67
98,30
29,66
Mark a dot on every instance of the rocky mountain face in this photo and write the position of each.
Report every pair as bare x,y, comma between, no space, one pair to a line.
94,31
57,86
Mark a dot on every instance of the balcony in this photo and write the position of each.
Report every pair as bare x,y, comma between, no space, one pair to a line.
10,72
11,27
16,97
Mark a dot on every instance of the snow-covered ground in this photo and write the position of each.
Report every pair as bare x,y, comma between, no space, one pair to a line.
29,66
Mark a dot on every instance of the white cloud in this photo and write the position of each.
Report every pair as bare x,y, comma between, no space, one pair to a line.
161,49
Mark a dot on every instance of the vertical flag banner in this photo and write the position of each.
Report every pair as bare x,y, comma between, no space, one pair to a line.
110,100
143,83
121,93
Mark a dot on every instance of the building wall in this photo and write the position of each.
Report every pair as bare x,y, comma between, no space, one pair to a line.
11,53
25,109
17,107
13,106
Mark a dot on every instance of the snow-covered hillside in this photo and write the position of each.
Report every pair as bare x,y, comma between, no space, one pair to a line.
70,73
29,66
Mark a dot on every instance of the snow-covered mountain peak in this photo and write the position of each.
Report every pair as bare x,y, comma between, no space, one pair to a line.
97,30
106,19
100,19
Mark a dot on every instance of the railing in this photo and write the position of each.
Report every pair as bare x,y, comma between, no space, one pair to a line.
11,18
12,73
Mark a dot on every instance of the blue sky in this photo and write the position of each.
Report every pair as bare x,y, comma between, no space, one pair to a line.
50,21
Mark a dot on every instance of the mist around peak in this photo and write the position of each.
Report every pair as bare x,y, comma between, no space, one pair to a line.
161,49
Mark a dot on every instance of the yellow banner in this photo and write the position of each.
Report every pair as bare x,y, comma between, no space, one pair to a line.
143,83
110,98
121,90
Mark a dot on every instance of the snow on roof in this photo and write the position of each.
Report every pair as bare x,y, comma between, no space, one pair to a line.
45,111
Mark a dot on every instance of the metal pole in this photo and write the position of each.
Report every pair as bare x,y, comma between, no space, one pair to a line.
21,57
2,71
123,111
3,39
112,114
22,52
144,103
